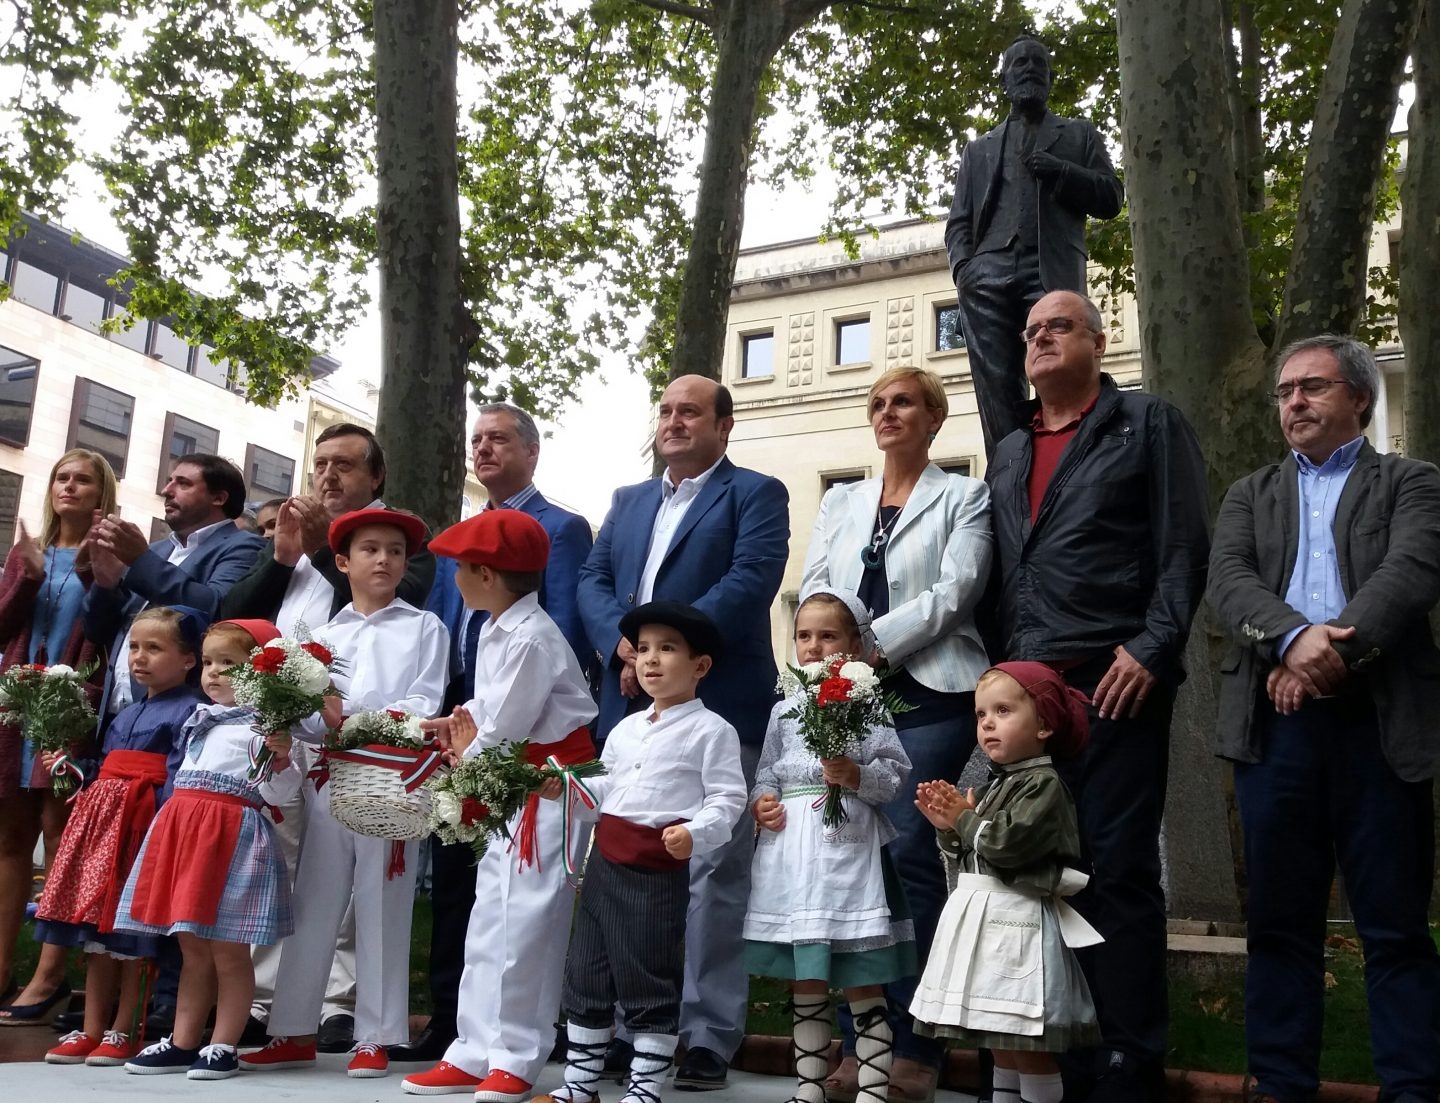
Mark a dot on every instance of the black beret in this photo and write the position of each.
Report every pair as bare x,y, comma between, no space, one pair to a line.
698,629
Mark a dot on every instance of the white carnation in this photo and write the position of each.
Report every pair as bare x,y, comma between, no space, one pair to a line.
862,675
308,672
60,670
413,731
814,670
445,807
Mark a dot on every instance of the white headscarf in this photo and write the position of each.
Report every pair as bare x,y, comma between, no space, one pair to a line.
857,609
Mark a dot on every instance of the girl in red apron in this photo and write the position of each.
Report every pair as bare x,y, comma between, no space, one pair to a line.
1002,972
141,749
210,871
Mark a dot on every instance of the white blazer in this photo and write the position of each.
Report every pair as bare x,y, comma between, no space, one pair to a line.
937,564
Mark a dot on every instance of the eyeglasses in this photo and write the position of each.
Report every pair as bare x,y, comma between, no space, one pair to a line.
1312,386
1056,327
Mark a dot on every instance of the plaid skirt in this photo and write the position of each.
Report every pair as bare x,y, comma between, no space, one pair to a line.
254,898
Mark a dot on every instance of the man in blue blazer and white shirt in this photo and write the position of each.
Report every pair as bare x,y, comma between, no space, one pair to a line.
714,536
504,450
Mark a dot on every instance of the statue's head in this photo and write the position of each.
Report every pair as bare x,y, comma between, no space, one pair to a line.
1025,73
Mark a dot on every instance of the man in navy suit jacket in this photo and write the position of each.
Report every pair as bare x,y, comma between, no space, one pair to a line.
204,555
504,448
714,536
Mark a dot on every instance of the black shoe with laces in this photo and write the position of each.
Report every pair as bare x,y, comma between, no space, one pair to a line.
702,1070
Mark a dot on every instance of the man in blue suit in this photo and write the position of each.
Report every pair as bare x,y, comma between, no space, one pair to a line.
504,449
714,536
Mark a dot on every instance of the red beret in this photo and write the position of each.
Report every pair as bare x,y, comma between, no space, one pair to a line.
503,539
261,631
1064,710
408,523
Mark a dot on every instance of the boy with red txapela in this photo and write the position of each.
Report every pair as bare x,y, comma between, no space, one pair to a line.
528,686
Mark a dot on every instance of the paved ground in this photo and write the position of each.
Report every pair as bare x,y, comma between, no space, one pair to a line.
327,1081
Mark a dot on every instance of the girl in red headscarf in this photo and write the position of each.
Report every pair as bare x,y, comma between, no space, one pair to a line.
210,870
1002,973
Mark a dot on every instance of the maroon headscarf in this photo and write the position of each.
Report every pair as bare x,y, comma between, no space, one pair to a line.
1063,709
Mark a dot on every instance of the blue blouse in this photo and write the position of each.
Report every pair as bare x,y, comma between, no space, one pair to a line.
57,605
156,724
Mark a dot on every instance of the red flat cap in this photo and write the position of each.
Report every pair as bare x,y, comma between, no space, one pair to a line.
504,539
261,631
413,528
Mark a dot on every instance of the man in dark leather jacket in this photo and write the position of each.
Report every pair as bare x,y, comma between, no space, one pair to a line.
1099,514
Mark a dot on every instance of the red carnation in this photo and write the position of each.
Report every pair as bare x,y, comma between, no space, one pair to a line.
472,811
395,714
833,691
318,651
269,660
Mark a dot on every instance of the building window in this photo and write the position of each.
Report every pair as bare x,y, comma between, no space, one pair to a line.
158,529
852,342
137,337
100,420
757,355
211,368
18,375
35,287
10,484
842,478
169,348
184,437
269,474
956,467
83,307
948,337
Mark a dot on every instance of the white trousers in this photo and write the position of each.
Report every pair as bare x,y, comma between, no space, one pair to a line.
334,864
515,955
340,989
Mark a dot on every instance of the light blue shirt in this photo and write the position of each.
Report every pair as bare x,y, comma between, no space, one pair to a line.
1315,590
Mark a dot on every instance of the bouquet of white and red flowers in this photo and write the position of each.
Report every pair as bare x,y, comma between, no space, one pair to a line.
282,682
387,727
475,801
49,705
840,700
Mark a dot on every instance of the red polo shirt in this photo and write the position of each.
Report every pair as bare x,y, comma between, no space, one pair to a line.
1046,448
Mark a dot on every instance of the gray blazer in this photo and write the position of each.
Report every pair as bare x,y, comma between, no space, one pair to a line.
1387,542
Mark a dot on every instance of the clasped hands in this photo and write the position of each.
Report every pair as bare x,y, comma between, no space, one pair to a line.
942,804
1310,667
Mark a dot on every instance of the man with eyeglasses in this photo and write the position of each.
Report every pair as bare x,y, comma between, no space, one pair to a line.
1017,227
1100,519
1325,569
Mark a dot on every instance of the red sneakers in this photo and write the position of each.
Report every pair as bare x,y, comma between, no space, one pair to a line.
73,1049
501,1087
443,1079
368,1060
116,1049
280,1053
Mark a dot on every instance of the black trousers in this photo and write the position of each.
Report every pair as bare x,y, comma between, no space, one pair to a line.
996,292
452,895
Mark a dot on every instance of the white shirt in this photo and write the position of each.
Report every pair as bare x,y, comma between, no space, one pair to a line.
681,765
528,684
675,502
120,666
225,749
307,599
395,658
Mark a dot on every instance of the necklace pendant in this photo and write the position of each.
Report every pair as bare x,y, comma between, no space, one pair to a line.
870,557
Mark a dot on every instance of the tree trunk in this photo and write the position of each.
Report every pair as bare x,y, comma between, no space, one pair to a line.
425,331
1325,289
1420,272
748,33
1199,350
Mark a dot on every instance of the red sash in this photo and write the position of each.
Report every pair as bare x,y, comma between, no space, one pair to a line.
575,748
634,844
182,878
144,774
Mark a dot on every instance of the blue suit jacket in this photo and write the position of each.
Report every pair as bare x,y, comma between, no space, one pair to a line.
200,582
726,559
570,542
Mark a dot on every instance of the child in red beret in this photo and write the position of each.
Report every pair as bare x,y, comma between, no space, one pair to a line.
1002,973
528,685
390,656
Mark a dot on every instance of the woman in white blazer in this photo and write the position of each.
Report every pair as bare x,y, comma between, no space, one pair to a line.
915,545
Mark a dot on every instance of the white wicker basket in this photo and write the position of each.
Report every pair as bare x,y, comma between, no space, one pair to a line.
371,800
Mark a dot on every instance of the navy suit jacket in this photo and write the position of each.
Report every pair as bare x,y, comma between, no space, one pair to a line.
200,582
570,542
726,559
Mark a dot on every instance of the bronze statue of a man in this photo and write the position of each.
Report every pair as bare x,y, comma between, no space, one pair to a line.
1017,228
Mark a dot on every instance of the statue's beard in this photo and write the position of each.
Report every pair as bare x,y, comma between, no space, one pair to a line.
1029,99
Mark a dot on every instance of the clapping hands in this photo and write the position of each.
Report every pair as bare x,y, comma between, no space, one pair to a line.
941,803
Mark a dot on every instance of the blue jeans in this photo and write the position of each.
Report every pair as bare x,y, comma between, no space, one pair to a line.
1323,791
937,752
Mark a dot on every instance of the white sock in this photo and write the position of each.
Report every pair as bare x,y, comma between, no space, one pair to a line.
1005,1086
654,1054
812,1046
1040,1087
584,1062
873,1048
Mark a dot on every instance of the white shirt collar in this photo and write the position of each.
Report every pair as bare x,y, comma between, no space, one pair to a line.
520,611
200,535
694,485
676,712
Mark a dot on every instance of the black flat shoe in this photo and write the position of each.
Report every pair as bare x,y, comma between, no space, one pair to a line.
36,1014
618,1055
703,1070
429,1046
336,1034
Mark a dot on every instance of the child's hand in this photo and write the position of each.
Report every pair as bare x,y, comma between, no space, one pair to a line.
678,842
941,803
551,788
769,813
841,771
333,711
49,758
463,730
279,744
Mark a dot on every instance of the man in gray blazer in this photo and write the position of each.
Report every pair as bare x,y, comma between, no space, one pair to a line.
1017,228
1324,570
